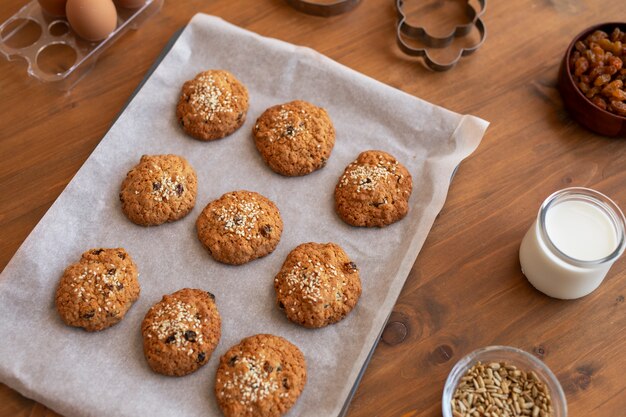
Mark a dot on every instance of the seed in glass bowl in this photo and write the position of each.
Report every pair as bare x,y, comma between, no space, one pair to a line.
502,390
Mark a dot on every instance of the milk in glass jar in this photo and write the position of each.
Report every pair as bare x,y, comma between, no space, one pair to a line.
577,236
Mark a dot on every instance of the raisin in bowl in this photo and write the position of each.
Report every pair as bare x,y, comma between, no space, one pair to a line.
592,79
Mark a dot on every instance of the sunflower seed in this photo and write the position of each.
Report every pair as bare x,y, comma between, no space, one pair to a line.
501,390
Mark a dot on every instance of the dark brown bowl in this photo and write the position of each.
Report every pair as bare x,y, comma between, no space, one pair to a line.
580,107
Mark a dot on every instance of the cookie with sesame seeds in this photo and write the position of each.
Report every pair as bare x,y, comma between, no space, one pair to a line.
263,375
239,227
294,138
96,292
317,285
181,331
373,191
212,105
160,189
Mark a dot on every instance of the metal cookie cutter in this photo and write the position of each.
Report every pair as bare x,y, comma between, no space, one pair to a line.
405,29
324,9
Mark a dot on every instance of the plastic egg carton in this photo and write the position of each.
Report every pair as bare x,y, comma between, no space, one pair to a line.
54,53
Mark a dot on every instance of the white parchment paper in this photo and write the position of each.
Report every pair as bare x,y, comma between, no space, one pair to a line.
105,373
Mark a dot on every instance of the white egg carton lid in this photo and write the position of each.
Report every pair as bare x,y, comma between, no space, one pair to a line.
53,51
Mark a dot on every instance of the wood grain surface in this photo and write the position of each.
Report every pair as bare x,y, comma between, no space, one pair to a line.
466,290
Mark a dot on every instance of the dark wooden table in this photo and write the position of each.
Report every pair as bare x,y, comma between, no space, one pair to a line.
466,289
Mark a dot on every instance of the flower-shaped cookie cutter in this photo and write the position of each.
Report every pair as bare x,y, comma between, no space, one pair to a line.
404,29
324,9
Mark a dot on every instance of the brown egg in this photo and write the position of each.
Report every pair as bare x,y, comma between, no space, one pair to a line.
93,20
130,4
53,7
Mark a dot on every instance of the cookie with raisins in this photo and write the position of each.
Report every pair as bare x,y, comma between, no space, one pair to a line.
317,285
294,138
181,331
212,105
96,292
160,189
263,375
239,227
373,191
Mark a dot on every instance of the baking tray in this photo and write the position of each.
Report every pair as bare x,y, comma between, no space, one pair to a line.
459,134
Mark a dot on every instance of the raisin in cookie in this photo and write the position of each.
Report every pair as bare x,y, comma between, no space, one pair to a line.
318,285
97,291
160,189
181,331
212,105
240,226
263,375
294,138
373,191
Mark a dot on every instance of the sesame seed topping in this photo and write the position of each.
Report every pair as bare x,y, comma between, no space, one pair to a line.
208,99
289,124
168,187
241,218
177,323
252,381
311,278
97,281
367,176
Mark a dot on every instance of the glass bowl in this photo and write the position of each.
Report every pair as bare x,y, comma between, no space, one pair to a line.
513,356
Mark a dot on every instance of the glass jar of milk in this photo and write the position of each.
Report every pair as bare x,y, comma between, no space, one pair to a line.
578,235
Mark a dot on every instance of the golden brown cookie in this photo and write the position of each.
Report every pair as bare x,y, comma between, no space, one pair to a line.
318,285
212,105
294,138
97,291
262,376
373,191
160,189
181,331
240,226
